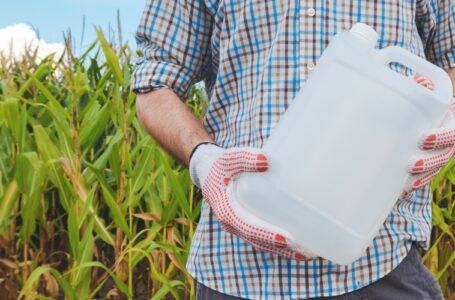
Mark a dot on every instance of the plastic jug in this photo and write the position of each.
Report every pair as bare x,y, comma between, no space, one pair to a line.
338,156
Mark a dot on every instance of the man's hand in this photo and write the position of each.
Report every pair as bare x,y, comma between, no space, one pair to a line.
439,145
213,168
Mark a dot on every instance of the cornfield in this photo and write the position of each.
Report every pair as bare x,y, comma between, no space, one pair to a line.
90,206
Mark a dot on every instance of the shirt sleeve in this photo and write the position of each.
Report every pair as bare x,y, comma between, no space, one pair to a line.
438,33
174,37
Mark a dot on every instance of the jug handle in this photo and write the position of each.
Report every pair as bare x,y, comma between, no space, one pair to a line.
442,83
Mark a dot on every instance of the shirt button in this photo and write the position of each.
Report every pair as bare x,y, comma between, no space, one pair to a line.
311,12
310,66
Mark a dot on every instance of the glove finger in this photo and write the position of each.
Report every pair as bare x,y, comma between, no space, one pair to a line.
437,138
295,252
235,224
264,246
405,195
239,160
286,252
227,227
273,239
302,256
424,81
424,163
213,194
282,240
248,228
264,243
251,232
274,243
417,181
254,227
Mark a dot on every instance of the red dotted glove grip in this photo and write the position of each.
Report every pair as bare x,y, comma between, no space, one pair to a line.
230,164
439,147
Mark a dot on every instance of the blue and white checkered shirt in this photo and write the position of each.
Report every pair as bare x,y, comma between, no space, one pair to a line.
255,55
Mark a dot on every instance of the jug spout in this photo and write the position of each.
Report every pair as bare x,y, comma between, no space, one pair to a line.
366,33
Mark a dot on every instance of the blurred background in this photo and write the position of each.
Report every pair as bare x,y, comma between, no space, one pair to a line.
46,22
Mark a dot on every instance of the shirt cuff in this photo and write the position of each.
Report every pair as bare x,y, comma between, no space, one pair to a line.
152,75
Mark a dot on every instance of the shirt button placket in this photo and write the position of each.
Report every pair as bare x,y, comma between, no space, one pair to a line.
311,12
306,19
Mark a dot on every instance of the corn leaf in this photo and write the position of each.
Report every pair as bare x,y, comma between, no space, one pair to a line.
111,57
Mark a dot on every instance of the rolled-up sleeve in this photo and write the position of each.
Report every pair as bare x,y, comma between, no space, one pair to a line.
174,38
438,32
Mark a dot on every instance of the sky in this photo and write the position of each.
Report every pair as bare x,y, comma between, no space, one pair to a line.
50,18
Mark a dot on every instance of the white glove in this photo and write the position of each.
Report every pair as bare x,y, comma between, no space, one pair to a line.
438,145
213,168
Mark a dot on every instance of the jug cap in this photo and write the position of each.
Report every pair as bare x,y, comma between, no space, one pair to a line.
365,32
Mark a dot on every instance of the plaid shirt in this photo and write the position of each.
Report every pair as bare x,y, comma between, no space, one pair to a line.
255,55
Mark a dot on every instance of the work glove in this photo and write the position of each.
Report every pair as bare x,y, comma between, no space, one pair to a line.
212,168
438,145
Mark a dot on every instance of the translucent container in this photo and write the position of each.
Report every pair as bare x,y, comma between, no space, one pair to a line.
338,157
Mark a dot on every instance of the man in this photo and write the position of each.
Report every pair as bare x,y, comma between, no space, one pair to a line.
255,56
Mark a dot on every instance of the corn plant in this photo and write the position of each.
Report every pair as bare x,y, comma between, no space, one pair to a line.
90,206
440,258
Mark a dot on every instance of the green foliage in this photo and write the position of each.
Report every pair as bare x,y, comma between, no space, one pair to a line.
440,258
90,206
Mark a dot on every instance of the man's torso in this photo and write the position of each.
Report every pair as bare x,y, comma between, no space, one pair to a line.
261,54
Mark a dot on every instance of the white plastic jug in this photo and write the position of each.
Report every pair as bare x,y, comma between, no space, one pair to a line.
338,156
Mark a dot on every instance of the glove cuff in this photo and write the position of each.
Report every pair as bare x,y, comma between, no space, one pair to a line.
201,160
197,146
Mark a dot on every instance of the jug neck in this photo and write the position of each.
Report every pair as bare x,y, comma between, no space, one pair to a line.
365,33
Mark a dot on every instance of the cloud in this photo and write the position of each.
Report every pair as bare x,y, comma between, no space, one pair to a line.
16,39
